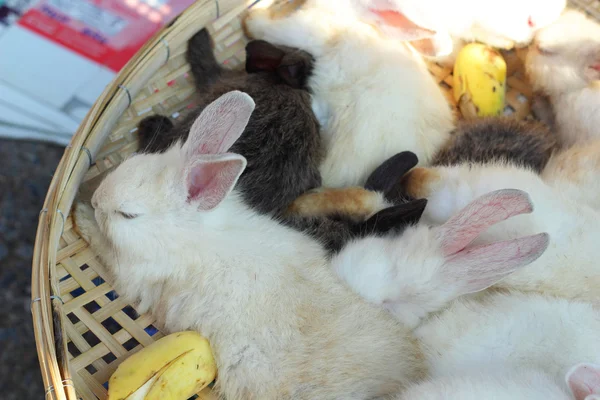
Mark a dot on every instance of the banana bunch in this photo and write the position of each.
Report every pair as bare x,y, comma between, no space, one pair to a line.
479,81
174,367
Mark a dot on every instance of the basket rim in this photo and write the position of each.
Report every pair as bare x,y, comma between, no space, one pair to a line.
79,155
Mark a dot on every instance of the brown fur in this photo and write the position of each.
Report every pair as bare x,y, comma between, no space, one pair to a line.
354,202
524,143
419,182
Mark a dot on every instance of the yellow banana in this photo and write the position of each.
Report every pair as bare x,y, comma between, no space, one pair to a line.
479,81
174,367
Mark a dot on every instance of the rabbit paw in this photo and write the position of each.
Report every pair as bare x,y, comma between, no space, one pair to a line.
420,183
84,221
255,22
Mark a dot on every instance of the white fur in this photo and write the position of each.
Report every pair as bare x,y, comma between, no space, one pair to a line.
501,26
514,331
575,171
280,323
497,385
569,267
562,72
380,95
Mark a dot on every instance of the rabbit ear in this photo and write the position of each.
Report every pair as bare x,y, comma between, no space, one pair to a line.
396,20
262,56
219,125
386,177
394,217
212,177
479,215
477,268
584,381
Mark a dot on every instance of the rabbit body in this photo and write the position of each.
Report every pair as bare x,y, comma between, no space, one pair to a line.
496,385
524,143
515,331
192,252
568,268
379,95
564,64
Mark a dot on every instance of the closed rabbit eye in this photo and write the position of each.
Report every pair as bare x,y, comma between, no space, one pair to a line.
128,215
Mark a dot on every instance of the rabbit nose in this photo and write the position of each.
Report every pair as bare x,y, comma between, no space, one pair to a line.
530,22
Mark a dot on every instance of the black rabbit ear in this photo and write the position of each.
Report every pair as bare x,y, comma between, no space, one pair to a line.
293,74
262,56
394,218
386,177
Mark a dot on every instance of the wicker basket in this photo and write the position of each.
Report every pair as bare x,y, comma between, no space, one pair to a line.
71,296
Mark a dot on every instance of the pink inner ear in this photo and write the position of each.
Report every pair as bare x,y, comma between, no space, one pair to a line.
596,67
480,214
584,380
410,30
209,181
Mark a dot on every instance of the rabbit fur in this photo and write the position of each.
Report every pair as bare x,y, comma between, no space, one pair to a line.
569,267
497,385
514,331
280,322
377,94
564,64
438,28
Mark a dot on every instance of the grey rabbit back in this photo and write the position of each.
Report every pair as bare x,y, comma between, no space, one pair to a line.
527,144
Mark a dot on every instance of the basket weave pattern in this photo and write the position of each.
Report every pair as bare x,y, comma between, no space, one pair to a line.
70,286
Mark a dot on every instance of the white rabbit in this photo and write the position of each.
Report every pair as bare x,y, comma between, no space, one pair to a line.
438,27
427,267
564,64
508,384
569,268
281,324
497,385
515,331
575,170
191,252
377,94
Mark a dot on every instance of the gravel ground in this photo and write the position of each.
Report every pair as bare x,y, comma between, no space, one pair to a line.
26,169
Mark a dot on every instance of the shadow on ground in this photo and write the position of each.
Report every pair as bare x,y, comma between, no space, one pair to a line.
26,169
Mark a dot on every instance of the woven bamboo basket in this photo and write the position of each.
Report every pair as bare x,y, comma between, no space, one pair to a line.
83,329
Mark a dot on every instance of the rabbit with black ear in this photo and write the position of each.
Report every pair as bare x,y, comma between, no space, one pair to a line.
563,65
281,143
377,94
569,268
281,324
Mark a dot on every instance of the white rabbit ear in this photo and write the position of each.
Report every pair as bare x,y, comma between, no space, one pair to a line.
219,125
584,381
397,21
476,268
211,178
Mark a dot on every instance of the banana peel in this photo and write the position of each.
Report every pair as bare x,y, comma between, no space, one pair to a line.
479,85
174,367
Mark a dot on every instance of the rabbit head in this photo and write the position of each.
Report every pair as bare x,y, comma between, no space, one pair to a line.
149,198
422,270
565,56
584,381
